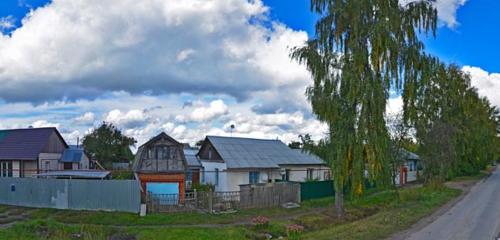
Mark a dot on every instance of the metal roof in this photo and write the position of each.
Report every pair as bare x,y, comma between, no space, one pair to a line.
409,155
75,174
191,158
24,144
73,154
259,153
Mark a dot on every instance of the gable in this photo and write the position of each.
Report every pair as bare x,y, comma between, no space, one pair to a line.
208,152
160,154
27,144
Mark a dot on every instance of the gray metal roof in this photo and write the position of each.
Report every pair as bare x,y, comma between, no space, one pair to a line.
191,158
73,154
259,153
408,155
76,174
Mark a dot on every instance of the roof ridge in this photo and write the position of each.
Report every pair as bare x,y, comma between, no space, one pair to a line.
260,139
22,129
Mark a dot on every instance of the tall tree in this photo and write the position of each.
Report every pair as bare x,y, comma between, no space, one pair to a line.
445,97
362,49
107,144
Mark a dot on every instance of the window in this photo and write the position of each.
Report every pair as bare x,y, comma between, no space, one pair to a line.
253,177
209,153
68,166
310,174
327,175
286,176
6,169
47,166
216,176
189,179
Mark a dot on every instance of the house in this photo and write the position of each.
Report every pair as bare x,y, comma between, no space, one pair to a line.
26,152
194,167
229,162
160,166
74,158
408,172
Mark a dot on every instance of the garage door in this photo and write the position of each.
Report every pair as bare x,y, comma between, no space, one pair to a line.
162,188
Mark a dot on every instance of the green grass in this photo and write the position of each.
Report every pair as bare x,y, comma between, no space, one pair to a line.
391,217
131,219
375,216
3,208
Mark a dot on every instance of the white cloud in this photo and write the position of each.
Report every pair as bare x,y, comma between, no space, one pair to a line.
86,48
86,118
184,54
215,109
447,10
131,119
7,23
488,84
394,106
44,123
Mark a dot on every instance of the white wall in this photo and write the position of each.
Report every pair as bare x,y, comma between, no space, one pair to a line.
299,174
52,159
30,168
16,168
208,175
411,174
230,180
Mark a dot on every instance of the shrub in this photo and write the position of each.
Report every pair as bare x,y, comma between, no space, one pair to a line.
260,221
294,231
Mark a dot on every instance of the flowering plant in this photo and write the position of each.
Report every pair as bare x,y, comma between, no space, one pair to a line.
260,221
294,230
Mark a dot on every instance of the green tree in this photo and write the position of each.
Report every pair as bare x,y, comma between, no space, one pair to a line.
446,97
362,49
107,144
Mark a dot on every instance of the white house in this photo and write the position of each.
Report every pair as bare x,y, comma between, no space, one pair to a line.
408,171
229,162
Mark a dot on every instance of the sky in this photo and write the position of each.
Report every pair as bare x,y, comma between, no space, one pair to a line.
191,68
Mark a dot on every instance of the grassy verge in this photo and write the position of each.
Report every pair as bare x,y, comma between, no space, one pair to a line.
373,217
392,215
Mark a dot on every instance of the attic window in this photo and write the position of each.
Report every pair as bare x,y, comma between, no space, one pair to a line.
210,153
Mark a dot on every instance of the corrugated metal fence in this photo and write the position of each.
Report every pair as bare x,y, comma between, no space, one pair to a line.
109,195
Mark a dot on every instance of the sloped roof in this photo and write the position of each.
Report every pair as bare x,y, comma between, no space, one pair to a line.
24,144
259,153
409,155
73,154
191,158
87,174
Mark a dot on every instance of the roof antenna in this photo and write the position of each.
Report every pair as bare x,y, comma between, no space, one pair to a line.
232,128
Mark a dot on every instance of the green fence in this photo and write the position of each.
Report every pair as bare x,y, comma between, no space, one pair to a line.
321,189
317,189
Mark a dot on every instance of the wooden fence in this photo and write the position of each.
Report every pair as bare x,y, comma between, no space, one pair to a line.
249,196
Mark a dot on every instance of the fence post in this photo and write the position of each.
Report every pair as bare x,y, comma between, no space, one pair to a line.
299,192
210,201
195,195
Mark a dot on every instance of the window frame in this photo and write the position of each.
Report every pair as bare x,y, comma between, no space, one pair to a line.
253,177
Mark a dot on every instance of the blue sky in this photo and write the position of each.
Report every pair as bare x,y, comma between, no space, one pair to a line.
174,66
